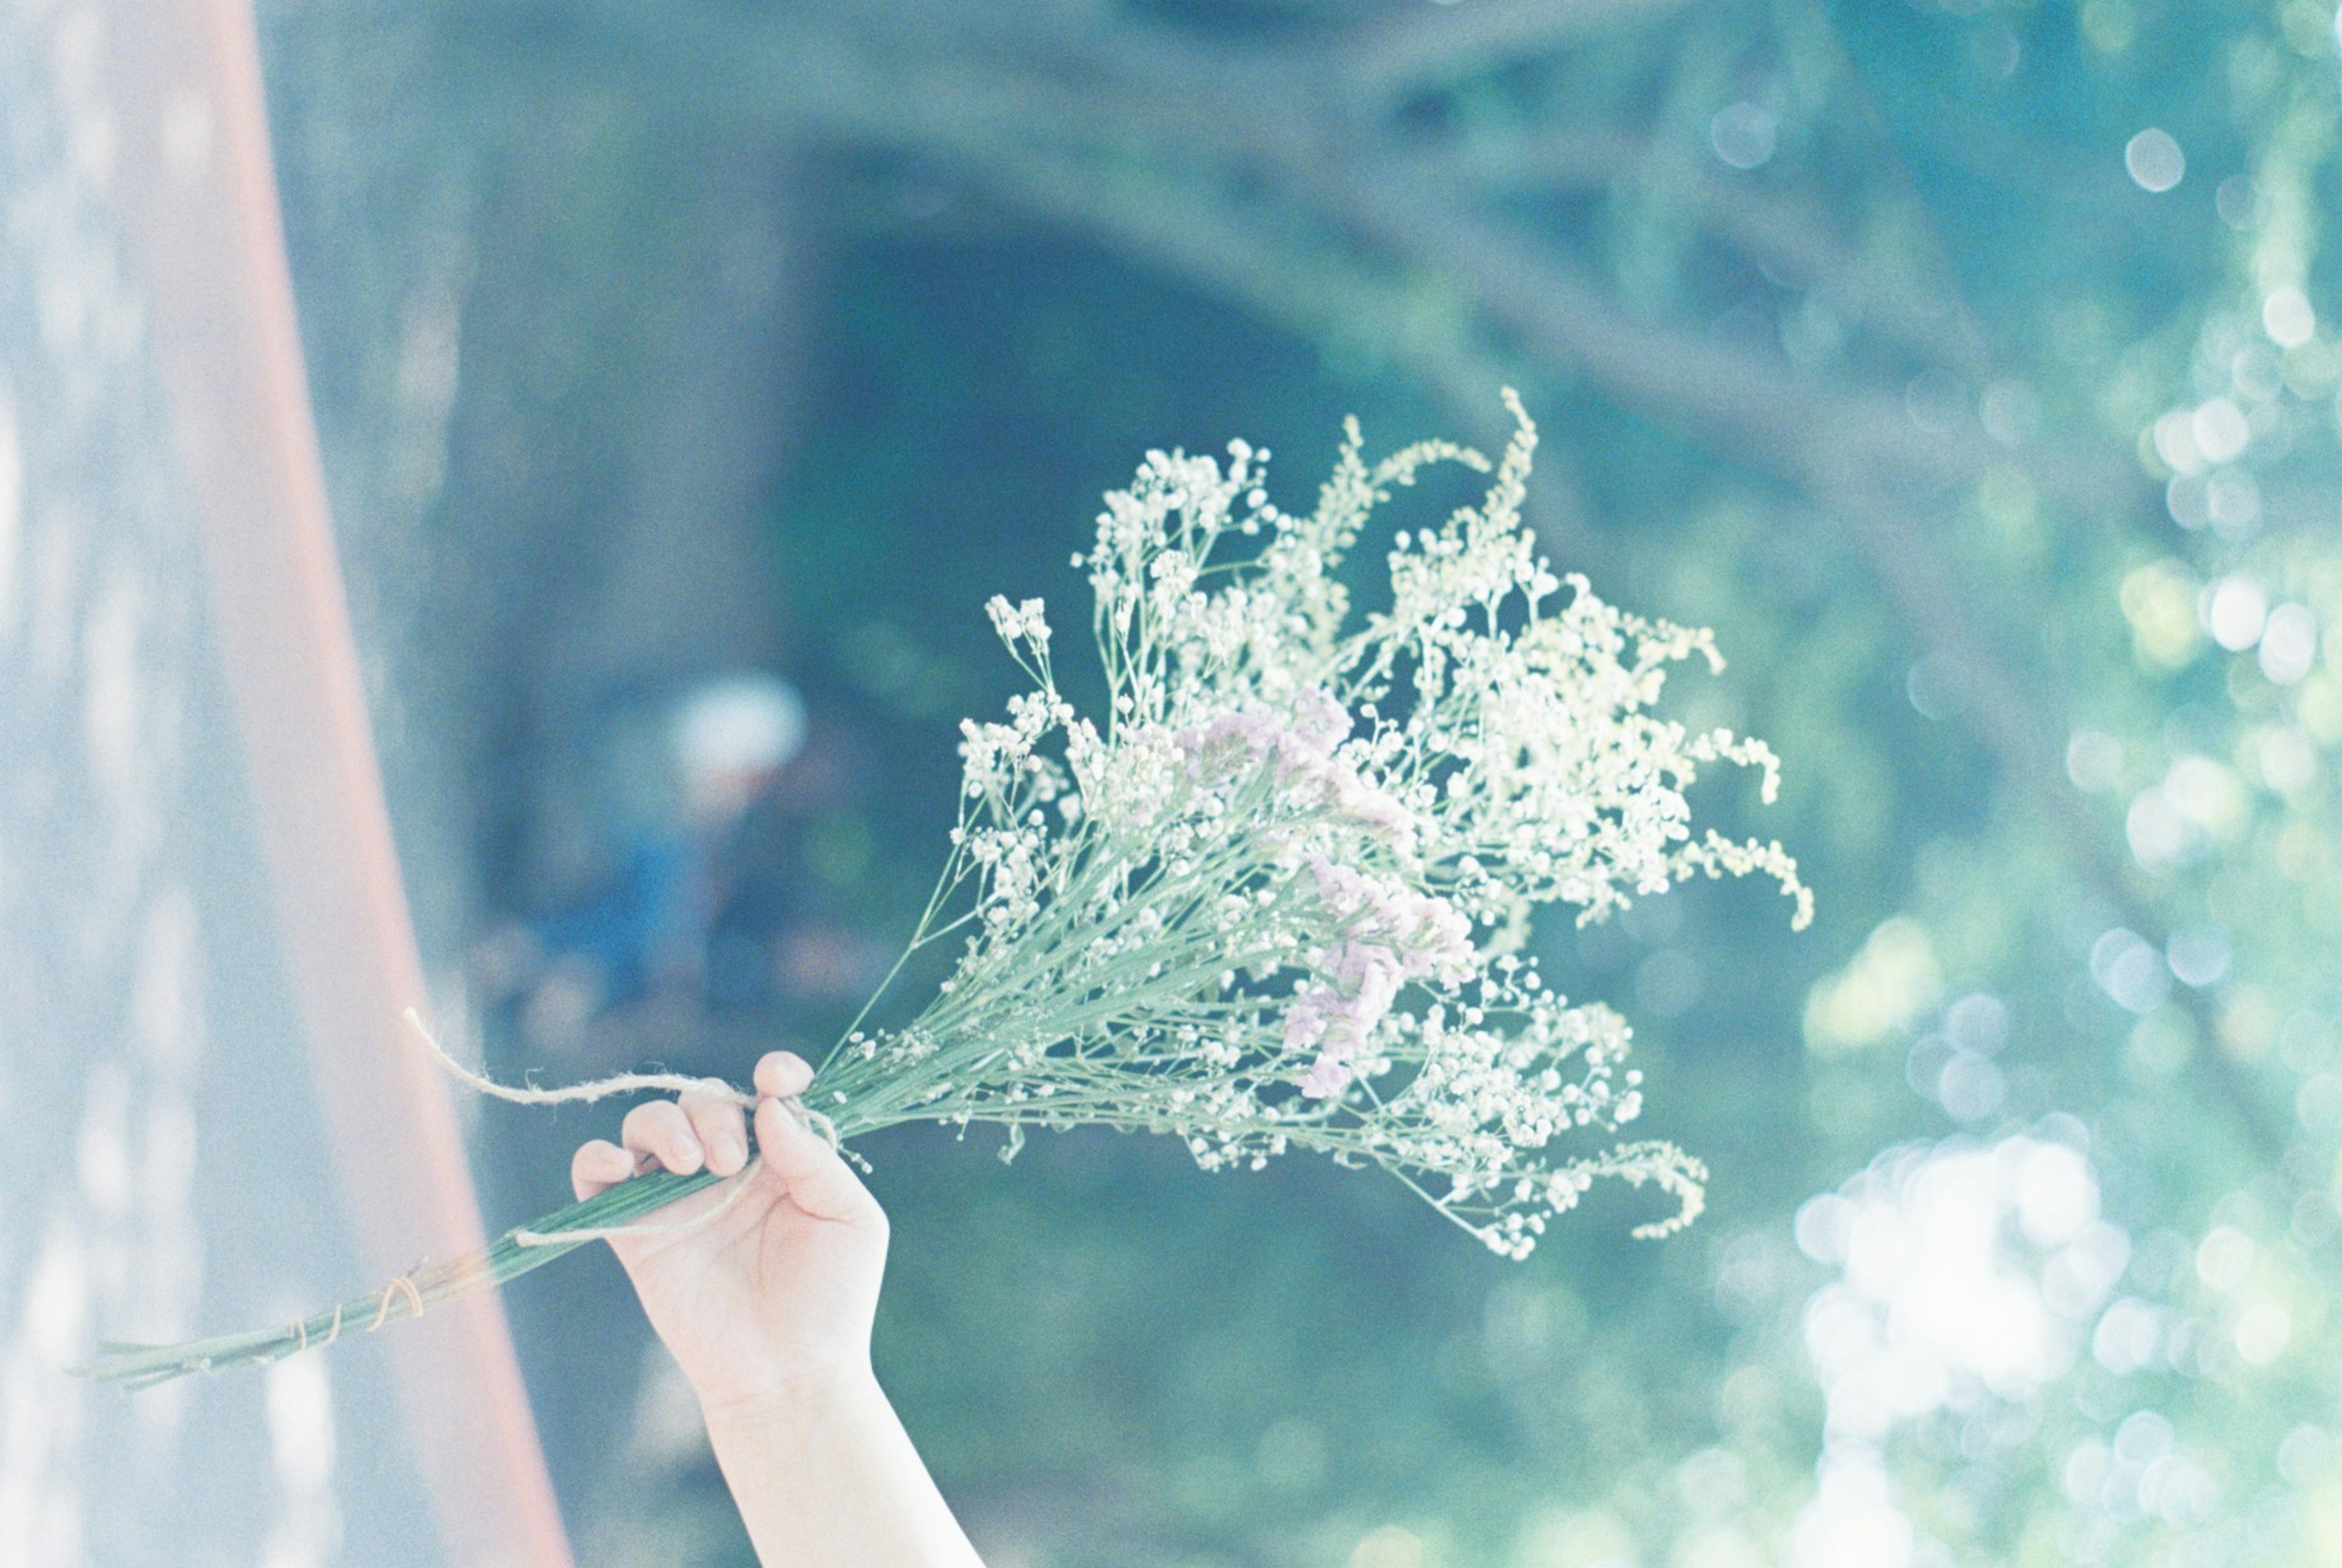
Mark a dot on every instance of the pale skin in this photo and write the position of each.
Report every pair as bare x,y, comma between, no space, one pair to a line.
767,1307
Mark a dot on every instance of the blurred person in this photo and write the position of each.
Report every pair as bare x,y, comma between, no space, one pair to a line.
767,1305
635,846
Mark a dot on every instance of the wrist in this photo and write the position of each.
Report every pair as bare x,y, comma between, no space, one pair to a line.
786,1399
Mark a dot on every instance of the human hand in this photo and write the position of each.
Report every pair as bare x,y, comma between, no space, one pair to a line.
774,1295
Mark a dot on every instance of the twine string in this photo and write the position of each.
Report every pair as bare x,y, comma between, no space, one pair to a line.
602,1089
573,1094
403,1286
616,1084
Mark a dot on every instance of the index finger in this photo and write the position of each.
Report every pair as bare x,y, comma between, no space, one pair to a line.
597,1167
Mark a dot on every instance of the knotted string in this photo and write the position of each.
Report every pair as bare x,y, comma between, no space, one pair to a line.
403,1286
570,1094
602,1089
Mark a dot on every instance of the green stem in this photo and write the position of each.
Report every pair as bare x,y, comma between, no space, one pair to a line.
137,1366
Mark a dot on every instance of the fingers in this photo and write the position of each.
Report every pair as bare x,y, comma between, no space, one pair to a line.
819,1179
717,1122
598,1167
660,1130
702,1127
782,1075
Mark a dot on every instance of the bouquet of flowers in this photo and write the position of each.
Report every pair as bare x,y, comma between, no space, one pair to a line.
1274,894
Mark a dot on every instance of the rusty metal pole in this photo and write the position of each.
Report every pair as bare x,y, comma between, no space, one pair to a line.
196,188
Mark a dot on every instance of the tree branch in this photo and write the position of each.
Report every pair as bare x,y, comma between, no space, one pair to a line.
1431,47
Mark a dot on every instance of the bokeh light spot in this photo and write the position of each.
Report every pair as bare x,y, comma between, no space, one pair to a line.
2155,160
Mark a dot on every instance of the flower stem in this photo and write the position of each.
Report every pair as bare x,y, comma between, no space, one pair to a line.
137,1366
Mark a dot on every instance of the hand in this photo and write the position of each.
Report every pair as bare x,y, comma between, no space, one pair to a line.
775,1295
767,1305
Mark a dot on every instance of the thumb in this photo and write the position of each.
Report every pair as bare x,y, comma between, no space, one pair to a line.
818,1179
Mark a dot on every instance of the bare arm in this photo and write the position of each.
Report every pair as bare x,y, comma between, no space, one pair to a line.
767,1309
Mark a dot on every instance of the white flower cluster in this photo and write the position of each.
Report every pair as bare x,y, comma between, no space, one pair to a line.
1273,896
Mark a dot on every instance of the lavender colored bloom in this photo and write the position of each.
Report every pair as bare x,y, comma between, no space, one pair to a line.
1272,896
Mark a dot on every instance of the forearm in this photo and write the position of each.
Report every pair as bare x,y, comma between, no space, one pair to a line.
825,1475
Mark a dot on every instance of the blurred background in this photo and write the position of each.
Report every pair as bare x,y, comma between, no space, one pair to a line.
689,375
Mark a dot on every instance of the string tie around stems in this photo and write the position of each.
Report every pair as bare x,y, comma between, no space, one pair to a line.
403,1286
601,1089
300,1328
574,1093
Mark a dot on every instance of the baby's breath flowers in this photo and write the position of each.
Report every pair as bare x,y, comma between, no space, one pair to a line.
1275,893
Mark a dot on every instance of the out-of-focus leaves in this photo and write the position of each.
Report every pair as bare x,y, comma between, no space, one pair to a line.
1857,332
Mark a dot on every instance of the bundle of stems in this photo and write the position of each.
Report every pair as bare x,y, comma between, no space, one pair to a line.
510,1256
1277,893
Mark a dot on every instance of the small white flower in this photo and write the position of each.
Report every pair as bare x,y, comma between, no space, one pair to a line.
1280,901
